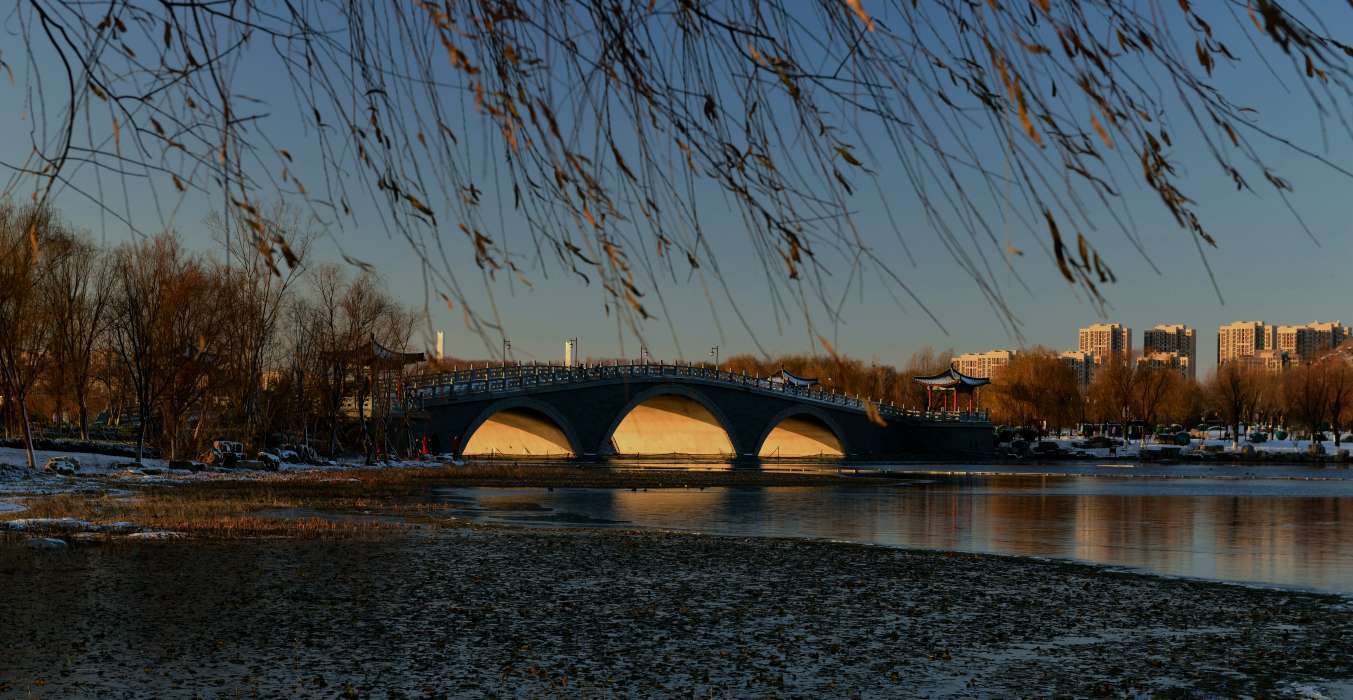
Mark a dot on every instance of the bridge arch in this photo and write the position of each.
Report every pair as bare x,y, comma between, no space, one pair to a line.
668,419
802,431
520,426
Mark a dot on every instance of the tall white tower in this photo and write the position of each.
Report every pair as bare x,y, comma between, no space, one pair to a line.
440,354
570,352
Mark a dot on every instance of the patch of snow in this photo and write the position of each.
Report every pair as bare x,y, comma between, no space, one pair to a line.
62,524
45,543
89,462
155,535
1335,689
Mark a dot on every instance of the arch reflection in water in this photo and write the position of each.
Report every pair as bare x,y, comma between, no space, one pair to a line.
671,424
519,431
802,435
1270,531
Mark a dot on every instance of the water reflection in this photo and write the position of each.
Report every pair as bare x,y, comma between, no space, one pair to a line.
1271,531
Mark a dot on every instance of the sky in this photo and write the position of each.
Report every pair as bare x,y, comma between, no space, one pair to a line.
1266,266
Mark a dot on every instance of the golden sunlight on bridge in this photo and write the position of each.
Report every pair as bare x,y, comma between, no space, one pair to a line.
519,432
671,424
802,436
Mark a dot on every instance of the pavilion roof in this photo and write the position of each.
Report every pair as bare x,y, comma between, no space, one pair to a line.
790,378
376,355
951,378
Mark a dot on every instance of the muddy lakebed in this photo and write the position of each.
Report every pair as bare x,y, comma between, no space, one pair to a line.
529,592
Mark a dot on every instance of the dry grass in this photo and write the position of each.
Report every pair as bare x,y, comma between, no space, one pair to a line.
208,515
282,505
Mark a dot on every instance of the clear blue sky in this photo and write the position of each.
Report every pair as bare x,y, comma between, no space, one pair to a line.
1267,267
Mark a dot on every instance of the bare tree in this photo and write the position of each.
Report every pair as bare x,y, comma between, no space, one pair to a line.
78,291
1306,396
1339,388
25,325
1112,391
257,289
1152,389
1233,391
191,337
1036,385
163,329
340,319
597,120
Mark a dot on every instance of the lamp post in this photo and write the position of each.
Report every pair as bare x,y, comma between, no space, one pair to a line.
714,352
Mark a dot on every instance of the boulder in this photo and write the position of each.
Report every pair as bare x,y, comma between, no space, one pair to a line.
47,544
269,461
62,465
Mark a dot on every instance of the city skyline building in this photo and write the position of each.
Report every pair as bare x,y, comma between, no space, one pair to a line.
983,364
1307,341
1168,360
1243,339
1106,342
1082,364
1268,360
1177,340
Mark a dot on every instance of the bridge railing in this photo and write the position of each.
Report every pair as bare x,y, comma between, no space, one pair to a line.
420,391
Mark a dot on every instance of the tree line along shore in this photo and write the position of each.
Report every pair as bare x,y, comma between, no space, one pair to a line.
151,343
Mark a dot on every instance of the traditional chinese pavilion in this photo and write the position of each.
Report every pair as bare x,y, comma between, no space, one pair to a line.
950,386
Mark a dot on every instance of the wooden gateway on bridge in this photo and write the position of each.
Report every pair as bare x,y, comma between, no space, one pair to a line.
950,386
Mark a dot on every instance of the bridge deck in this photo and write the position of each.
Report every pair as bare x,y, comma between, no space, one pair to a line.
486,382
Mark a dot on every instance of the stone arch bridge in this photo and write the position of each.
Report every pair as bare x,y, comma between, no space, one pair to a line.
660,409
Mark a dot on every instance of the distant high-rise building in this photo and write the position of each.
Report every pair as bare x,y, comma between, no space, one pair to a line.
1270,360
1106,342
440,348
1307,341
983,364
1168,360
571,352
1082,363
1244,338
1172,339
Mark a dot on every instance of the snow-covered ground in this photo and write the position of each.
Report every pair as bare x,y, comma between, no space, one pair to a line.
1132,448
104,473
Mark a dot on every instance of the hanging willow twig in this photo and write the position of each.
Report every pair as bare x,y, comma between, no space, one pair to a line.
602,128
